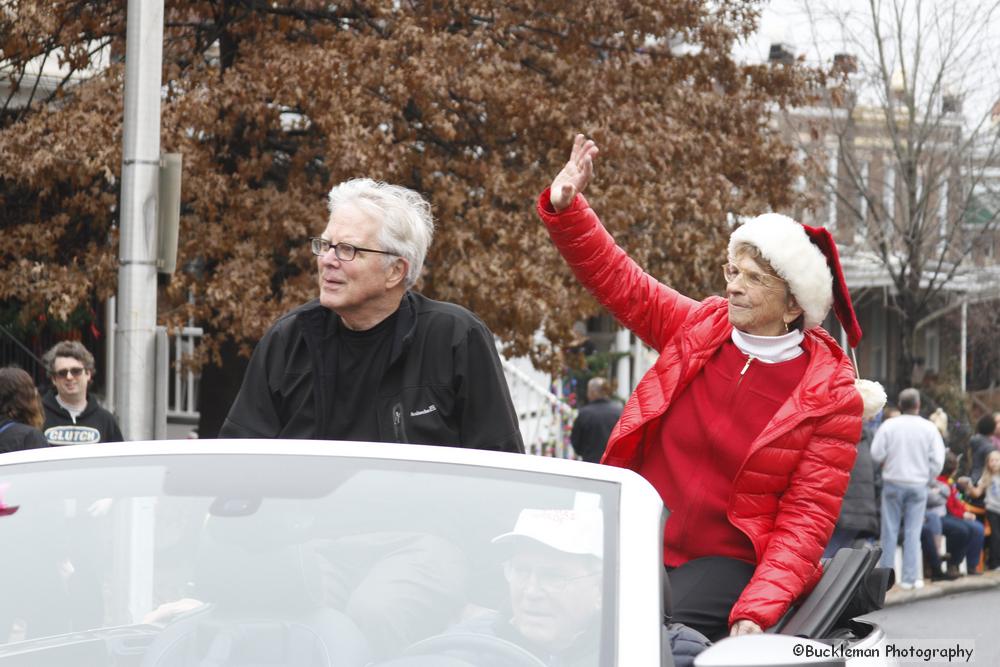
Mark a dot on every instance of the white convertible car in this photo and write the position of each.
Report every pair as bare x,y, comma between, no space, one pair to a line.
306,553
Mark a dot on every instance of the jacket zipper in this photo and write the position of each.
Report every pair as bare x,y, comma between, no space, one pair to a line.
750,358
397,421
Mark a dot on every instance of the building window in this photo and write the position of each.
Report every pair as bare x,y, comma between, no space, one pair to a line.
832,164
943,216
877,337
889,193
861,229
932,347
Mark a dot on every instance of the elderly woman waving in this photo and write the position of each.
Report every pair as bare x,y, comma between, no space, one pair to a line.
747,422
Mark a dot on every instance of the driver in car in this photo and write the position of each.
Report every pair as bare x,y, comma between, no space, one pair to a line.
553,566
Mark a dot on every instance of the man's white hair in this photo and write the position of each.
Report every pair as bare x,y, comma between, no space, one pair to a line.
407,226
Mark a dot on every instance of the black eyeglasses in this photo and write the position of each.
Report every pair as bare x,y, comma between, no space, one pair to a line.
345,252
66,372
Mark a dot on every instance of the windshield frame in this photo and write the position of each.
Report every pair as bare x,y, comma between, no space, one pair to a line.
639,564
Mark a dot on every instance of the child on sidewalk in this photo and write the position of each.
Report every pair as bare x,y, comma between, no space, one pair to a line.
989,484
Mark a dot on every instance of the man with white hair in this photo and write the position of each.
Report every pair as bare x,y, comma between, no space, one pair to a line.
911,453
370,359
553,561
553,564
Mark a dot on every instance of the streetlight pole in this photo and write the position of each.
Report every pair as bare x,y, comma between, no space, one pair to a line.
135,359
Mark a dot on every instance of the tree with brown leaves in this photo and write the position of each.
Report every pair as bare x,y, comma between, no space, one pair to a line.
470,103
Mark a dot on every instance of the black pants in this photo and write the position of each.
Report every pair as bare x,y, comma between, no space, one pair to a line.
993,541
703,591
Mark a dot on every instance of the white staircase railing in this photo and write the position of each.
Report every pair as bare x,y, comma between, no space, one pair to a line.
545,418
182,401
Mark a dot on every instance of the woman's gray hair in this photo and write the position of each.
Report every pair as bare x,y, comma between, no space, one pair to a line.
407,224
744,249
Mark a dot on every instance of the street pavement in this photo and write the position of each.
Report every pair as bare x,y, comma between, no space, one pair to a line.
934,589
965,620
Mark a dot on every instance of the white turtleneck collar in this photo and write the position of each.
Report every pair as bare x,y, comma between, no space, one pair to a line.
770,349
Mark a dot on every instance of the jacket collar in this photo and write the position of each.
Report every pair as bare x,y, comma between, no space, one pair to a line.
318,321
813,395
825,355
406,326
49,400
817,393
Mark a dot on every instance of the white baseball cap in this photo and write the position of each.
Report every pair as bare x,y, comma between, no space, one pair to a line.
578,531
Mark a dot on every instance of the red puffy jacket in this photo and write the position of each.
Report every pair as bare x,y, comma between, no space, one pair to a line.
788,492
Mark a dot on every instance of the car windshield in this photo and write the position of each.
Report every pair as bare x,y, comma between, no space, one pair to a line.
279,559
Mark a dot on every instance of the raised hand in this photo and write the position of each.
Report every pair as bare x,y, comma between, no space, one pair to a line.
575,175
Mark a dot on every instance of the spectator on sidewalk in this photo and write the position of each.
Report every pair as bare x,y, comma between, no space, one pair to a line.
959,519
980,445
72,417
955,536
594,421
930,547
995,437
859,514
989,486
911,452
20,412
940,420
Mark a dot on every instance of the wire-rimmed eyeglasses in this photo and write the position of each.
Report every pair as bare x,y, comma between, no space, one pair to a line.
548,579
66,372
731,272
345,252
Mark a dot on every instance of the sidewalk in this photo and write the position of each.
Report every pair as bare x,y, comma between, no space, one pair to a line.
935,589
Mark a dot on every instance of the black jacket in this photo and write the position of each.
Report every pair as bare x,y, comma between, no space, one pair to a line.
592,427
93,425
15,436
443,385
981,446
860,510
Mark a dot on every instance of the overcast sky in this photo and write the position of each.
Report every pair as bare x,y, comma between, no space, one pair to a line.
808,29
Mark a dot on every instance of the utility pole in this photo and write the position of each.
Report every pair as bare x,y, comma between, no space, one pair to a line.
135,359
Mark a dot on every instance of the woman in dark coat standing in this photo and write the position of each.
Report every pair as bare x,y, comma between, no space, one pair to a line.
859,515
981,445
21,414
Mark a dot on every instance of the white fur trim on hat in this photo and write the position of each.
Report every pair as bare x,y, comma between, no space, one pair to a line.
785,245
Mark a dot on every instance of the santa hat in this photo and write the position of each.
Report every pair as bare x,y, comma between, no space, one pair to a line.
807,259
